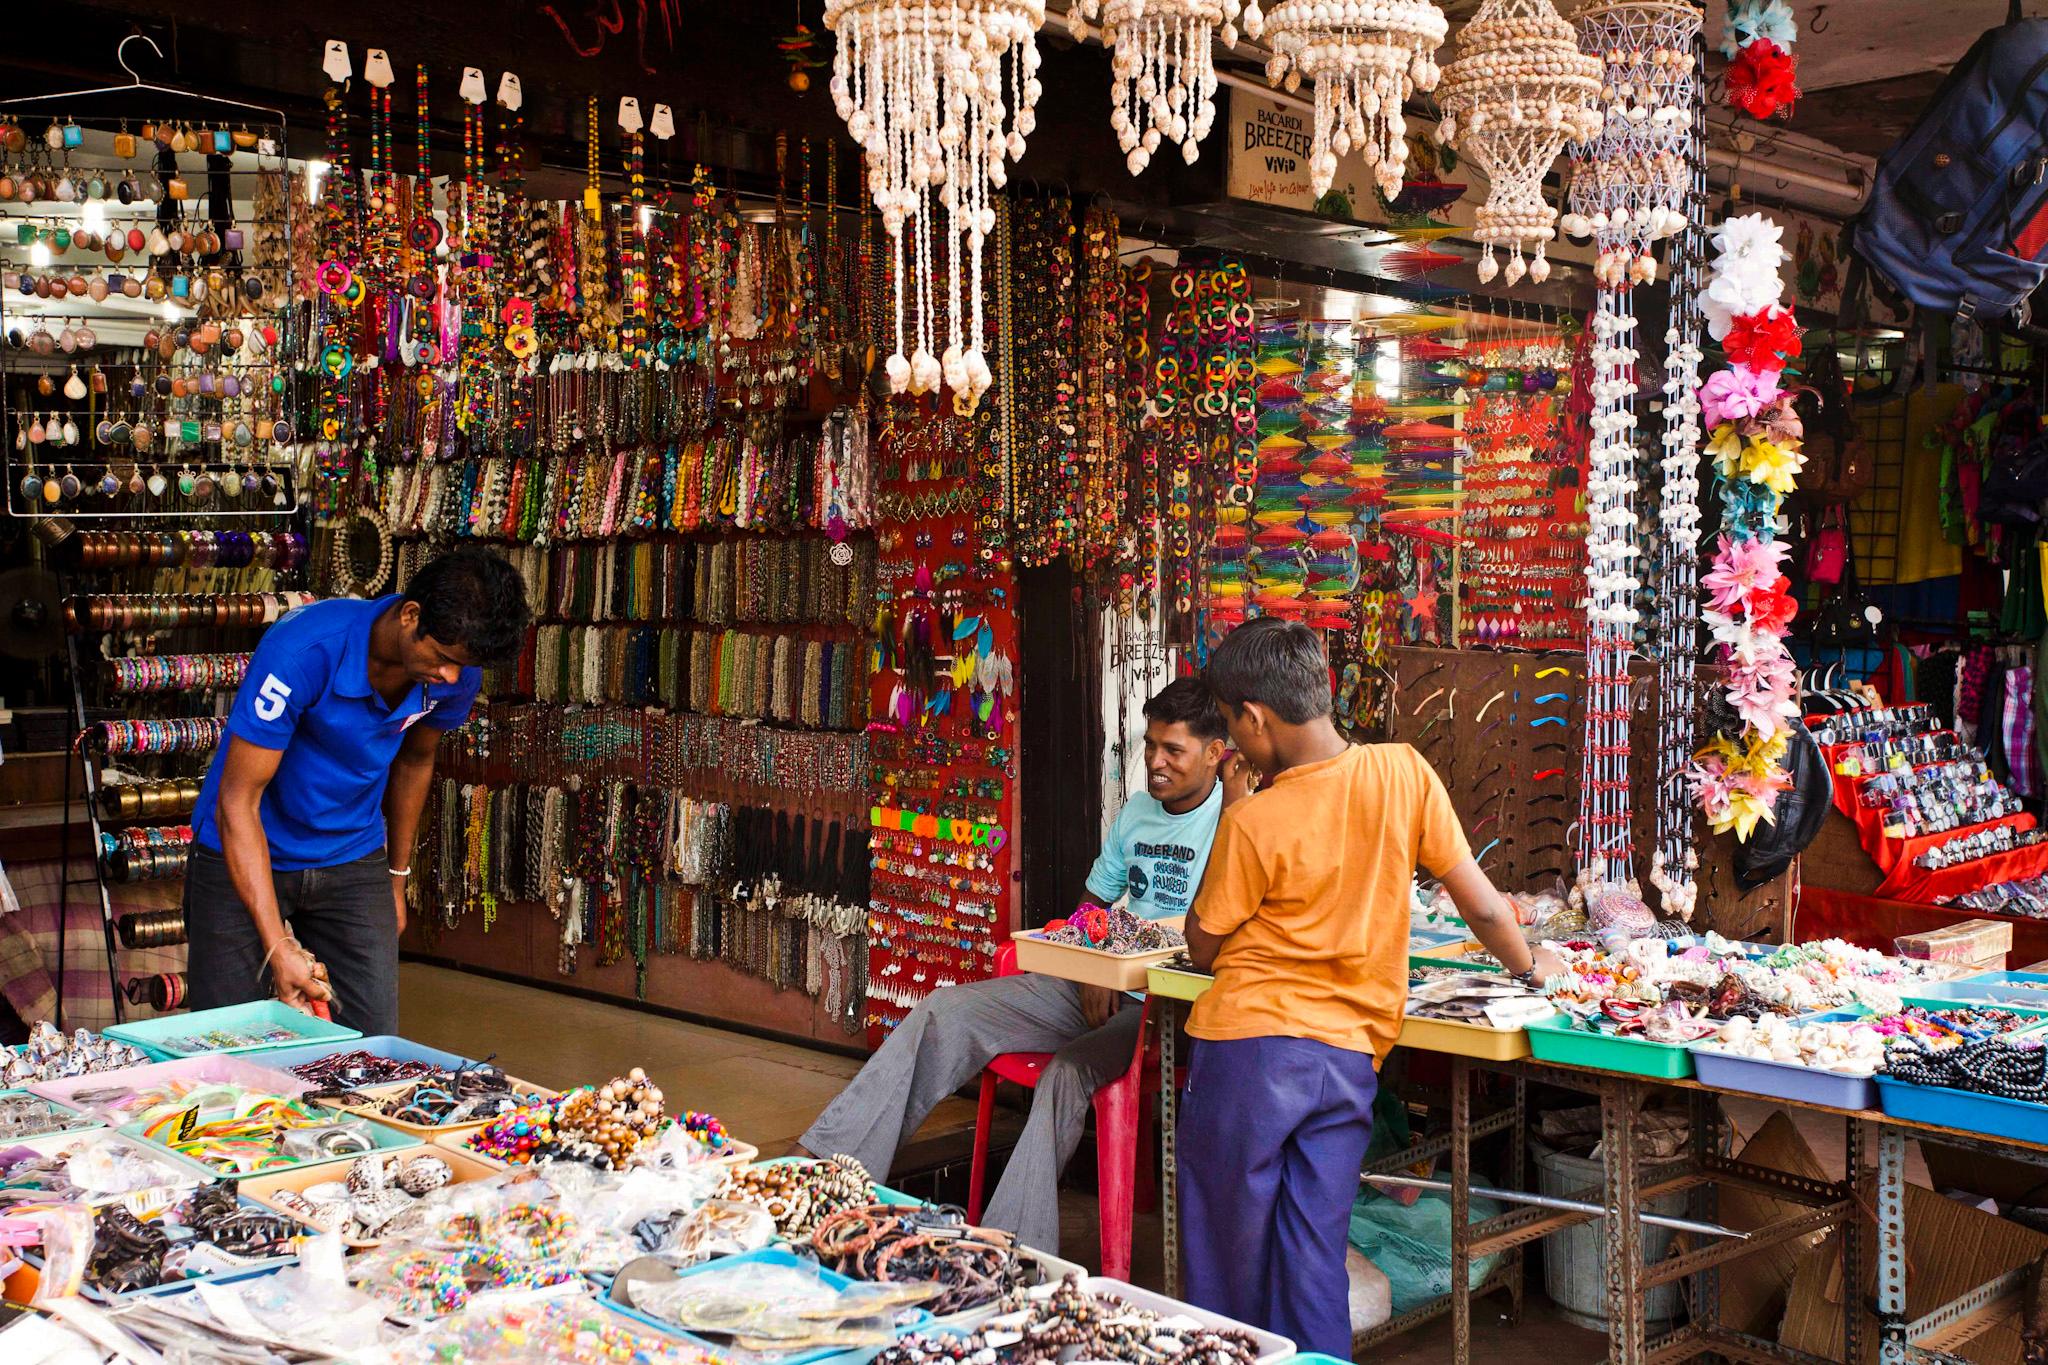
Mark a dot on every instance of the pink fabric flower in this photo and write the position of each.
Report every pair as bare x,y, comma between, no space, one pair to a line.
1741,567
1762,685
1734,394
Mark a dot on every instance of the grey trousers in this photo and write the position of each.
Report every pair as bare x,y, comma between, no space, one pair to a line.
944,1043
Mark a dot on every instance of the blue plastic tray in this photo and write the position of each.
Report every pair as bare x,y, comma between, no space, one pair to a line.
1964,1109
1786,1080
913,1322
1991,988
169,1036
377,1045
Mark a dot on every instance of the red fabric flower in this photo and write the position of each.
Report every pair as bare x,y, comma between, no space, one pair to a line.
1772,609
1760,79
1763,341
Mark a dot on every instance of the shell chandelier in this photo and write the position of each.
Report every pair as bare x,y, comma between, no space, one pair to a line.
1165,70
1630,181
1365,57
926,91
1518,91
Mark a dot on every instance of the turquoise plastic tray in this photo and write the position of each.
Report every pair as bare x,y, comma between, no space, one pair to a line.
386,1140
914,1321
174,1035
1557,1039
1963,1109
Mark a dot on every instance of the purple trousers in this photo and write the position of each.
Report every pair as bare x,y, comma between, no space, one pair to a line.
1272,1134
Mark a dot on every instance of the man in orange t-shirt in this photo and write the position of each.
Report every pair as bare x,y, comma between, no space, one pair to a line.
1303,918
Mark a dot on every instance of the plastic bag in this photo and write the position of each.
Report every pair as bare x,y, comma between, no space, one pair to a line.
774,1306
1411,1244
542,1331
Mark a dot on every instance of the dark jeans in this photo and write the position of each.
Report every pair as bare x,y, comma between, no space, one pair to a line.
344,915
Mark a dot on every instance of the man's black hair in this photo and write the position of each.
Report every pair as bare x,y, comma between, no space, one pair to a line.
1185,701
472,598
1278,664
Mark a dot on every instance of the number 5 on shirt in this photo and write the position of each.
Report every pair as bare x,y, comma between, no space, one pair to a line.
272,697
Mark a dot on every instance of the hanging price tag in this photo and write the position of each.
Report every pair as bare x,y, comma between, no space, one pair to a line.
334,62
629,114
509,92
662,123
377,68
472,85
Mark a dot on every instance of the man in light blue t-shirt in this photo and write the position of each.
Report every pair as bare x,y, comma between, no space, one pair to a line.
1153,859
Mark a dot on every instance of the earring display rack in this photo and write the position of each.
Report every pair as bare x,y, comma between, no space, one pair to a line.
147,401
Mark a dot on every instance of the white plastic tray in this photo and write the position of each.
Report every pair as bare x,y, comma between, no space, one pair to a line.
1272,1349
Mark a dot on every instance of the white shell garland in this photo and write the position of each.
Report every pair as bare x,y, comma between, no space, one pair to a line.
1365,57
1164,69
922,86
1519,90
1629,183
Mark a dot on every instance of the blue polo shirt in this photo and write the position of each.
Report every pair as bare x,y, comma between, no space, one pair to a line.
308,693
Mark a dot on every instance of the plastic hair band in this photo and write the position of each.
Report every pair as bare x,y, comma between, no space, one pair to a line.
1546,720
1489,705
1552,696
1416,710
1547,774
1553,672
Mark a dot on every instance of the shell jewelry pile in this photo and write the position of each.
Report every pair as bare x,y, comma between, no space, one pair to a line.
50,1056
378,1196
1851,1047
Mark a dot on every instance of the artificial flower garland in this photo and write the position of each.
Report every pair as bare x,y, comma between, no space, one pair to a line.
1757,41
1755,438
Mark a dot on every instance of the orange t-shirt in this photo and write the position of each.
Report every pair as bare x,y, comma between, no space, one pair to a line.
1308,885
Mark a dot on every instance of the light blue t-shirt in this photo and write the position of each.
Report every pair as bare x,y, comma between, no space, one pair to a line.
1154,856
308,693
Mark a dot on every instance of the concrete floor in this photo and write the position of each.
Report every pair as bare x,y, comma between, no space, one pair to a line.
767,1093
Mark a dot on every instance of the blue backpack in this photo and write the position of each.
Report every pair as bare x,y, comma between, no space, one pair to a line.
1957,220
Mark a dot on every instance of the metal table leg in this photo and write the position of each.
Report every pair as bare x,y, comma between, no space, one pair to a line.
1706,1203
1169,1166
1461,1209
1625,1322
1855,1243
1891,1247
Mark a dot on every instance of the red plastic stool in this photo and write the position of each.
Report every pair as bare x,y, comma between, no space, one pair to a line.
1123,1181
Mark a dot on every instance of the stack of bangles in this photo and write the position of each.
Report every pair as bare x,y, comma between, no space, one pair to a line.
177,673
278,550
455,1097
180,610
146,854
192,734
127,800
889,1245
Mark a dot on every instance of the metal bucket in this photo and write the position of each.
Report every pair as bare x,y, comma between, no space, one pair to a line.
1575,1260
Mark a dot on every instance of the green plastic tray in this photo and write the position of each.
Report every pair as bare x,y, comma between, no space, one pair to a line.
1557,1039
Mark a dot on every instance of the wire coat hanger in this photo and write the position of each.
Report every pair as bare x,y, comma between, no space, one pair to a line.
137,83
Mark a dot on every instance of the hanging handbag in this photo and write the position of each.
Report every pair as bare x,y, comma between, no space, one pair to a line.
1847,620
1827,553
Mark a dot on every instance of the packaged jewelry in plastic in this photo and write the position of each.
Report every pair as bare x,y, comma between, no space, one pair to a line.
541,1332
777,1304
50,1056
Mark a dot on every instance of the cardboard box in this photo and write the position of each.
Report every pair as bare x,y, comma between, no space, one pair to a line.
1754,1288
1951,1248
1972,940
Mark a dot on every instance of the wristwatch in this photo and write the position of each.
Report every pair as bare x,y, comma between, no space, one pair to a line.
1527,978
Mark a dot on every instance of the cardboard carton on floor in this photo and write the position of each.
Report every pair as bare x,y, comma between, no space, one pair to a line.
1754,1288
1950,1249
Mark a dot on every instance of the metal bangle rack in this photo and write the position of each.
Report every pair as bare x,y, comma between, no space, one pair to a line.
147,414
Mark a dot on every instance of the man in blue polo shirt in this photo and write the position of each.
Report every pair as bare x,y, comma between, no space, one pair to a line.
302,838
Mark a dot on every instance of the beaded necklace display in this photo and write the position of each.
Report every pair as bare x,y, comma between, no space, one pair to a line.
1041,396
